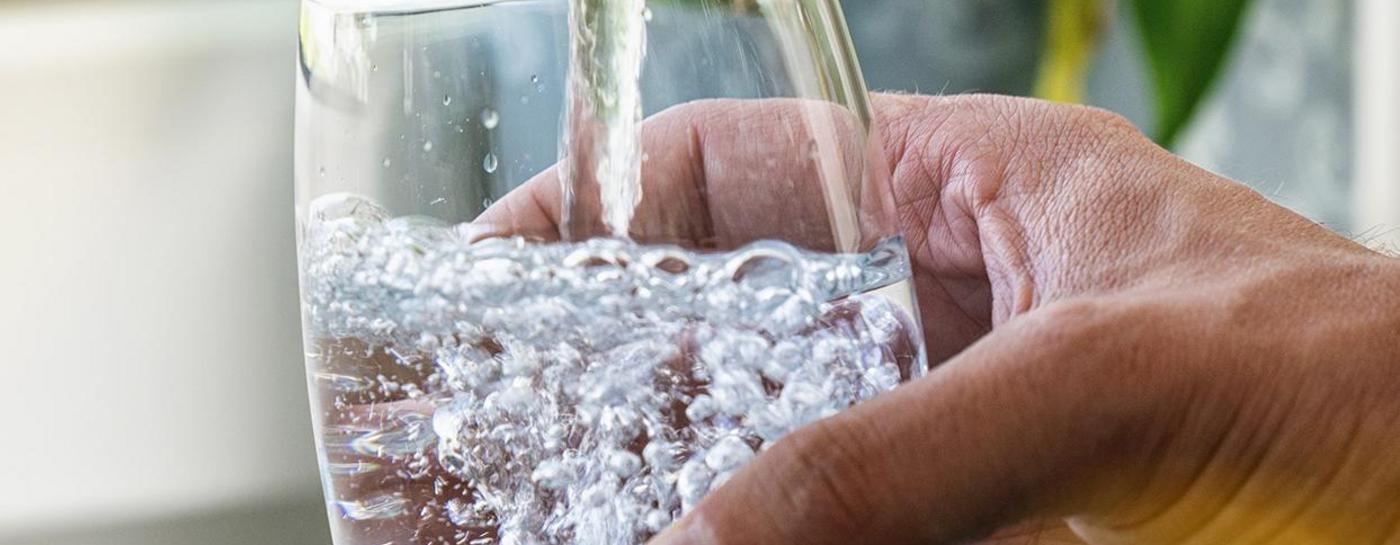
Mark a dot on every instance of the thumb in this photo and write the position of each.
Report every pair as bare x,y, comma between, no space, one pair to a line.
1004,432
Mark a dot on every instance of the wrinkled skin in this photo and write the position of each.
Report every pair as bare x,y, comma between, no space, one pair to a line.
1150,352
1134,346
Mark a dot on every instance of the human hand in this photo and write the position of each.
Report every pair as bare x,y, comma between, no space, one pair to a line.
1150,351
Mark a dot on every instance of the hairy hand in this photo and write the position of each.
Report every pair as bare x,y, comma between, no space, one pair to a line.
1150,351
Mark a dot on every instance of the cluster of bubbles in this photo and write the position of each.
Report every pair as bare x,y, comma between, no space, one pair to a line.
591,393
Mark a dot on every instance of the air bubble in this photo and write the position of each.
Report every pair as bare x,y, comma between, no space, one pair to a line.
565,394
490,118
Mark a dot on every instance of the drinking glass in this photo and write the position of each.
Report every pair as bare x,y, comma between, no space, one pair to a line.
505,344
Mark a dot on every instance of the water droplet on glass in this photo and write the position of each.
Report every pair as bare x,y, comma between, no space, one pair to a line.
490,119
436,73
373,67
428,146
534,79
321,171
447,100
388,163
491,163
646,14
460,130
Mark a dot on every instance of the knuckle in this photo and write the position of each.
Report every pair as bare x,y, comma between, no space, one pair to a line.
1104,337
1119,359
1071,321
1106,134
823,477
1131,341
688,111
1094,128
1108,120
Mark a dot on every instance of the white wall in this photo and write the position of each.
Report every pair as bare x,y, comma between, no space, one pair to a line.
148,311
1377,196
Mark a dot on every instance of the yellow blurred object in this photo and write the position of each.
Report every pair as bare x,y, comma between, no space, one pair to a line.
1072,35
308,46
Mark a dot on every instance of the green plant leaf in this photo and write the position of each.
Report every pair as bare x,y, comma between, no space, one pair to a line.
1186,42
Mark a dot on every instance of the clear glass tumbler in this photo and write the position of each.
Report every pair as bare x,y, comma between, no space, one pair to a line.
498,351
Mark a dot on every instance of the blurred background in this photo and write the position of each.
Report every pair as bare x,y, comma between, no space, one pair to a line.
154,388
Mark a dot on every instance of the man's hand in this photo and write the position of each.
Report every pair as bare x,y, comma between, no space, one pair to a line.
1153,352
